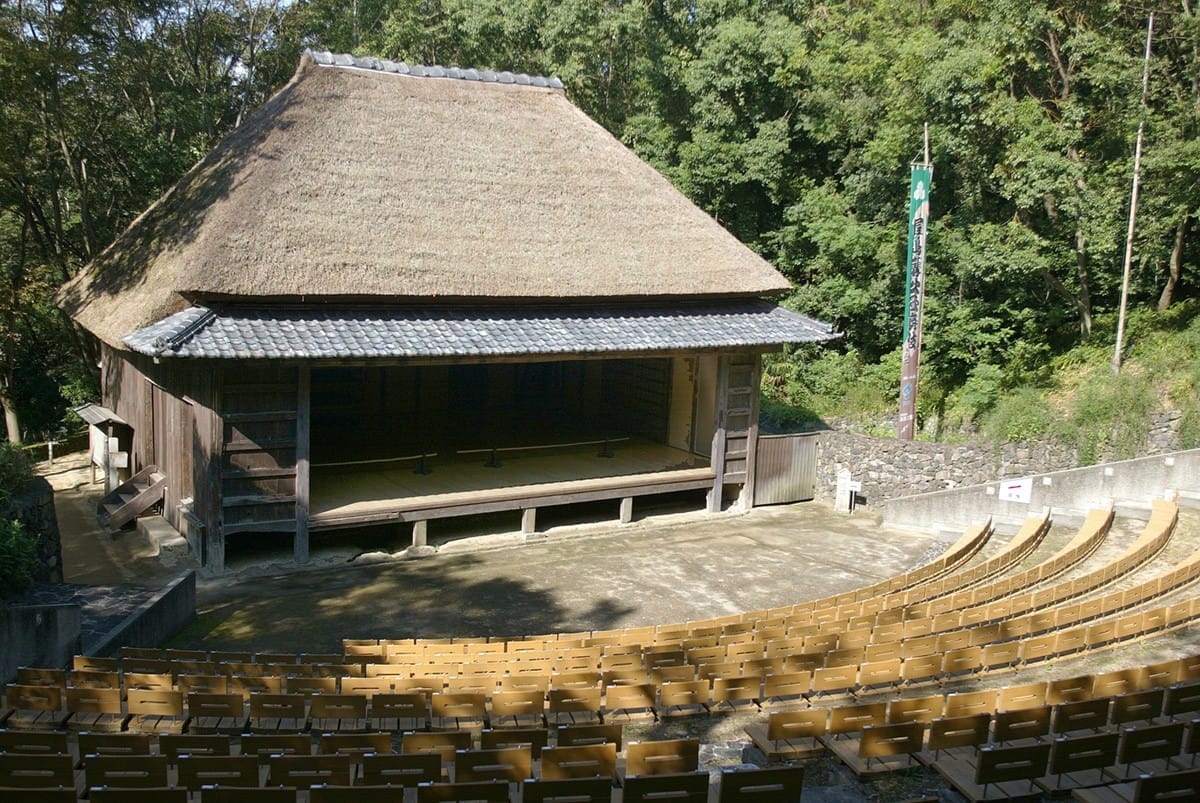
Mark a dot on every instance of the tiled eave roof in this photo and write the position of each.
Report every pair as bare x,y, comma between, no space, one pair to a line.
263,332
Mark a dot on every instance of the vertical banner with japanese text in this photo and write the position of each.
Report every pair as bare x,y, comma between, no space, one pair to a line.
914,298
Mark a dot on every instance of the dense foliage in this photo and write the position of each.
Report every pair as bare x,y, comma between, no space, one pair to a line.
792,122
18,559
18,549
15,473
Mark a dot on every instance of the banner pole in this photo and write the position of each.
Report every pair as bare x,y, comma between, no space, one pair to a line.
914,292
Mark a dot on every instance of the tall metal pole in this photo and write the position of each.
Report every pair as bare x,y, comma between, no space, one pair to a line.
1133,201
914,295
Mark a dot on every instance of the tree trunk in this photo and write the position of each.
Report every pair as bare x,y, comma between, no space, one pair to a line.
1176,266
1083,301
11,422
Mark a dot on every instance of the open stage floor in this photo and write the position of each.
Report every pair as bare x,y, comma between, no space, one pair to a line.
351,494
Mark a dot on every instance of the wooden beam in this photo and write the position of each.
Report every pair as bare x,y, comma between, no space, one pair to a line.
303,442
448,510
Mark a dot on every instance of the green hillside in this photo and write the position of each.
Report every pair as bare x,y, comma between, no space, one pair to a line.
1075,397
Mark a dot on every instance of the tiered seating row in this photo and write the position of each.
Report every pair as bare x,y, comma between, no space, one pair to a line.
670,688
1168,688
1026,540
999,602
1072,733
514,765
713,672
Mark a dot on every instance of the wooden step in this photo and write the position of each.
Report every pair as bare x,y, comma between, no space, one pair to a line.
132,498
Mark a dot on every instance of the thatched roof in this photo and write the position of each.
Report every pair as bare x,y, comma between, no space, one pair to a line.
359,183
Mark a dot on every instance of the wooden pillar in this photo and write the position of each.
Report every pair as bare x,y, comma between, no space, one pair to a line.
529,520
420,533
626,509
303,420
718,440
145,453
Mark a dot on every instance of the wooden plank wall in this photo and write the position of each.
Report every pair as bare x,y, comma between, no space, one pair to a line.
123,390
158,403
637,397
258,449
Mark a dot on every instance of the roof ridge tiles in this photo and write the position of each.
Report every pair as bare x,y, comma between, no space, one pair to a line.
328,59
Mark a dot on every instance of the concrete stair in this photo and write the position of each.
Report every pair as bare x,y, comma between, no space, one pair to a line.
164,540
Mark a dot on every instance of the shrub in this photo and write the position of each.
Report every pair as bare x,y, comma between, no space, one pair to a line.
18,559
1111,417
1019,416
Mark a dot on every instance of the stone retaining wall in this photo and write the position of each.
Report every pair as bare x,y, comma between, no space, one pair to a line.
34,508
889,468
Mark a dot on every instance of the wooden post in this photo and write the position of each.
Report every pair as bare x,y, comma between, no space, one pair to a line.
718,440
626,509
529,520
420,533
144,456
303,420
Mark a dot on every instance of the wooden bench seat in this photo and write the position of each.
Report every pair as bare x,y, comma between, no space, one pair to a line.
49,771
661,757
491,791
1169,786
771,785
686,787
277,713
879,749
790,735
125,771
579,761
1079,762
196,772
998,773
576,790
32,707
511,764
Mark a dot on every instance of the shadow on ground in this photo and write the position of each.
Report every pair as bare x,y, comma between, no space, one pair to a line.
425,598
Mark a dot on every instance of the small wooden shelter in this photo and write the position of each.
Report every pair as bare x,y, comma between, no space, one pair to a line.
403,293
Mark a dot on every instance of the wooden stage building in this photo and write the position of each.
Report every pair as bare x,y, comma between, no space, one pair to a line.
397,294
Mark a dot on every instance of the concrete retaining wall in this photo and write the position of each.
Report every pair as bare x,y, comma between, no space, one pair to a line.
37,635
153,623
1129,484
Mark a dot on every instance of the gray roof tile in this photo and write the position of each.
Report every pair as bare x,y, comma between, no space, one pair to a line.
233,331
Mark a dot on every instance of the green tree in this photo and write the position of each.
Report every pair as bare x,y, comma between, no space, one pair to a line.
107,103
